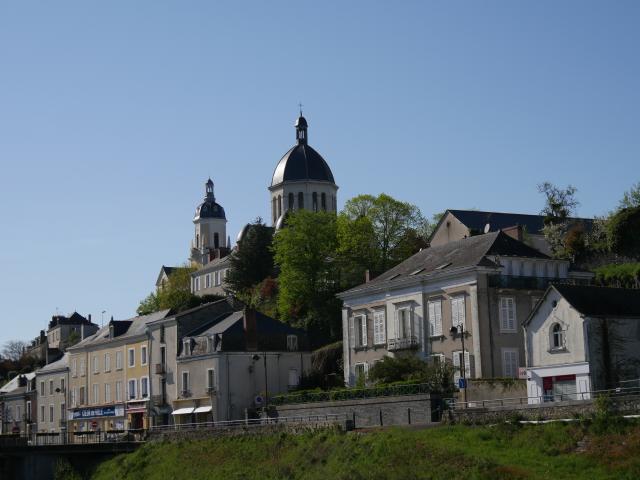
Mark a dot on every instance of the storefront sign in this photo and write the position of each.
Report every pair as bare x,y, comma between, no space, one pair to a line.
111,411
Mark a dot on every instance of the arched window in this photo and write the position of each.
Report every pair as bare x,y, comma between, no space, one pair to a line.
557,337
301,200
290,204
216,240
315,202
275,217
323,201
279,205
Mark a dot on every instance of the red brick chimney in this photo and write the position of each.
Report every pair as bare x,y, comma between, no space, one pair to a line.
515,232
250,329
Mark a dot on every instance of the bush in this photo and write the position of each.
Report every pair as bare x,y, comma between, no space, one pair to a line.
622,232
626,275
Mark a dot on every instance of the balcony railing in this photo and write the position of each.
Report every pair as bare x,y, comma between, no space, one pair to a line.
406,343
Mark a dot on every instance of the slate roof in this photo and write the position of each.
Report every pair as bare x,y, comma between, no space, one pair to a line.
477,220
468,252
601,301
53,366
301,162
213,265
12,385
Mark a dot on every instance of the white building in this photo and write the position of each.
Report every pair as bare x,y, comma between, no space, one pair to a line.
579,339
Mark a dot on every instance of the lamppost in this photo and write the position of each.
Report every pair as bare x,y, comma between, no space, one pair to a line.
463,368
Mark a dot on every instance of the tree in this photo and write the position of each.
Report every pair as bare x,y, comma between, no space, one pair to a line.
252,261
409,368
385,231
560,203
631,197
14,350
622,232
175,295
305,251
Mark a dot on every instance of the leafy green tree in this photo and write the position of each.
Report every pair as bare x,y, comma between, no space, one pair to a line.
305,252
379,232
631,197
175,295
252,261
560,204
622,232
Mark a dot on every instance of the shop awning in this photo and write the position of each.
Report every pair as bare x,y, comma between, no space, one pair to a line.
182,411
202,409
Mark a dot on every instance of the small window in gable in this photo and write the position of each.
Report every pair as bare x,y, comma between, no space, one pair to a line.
557,337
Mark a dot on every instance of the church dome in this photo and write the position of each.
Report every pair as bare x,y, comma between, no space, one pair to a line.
301,162
209,208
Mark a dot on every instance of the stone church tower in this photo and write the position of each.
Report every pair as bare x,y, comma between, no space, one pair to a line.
210,228
302,179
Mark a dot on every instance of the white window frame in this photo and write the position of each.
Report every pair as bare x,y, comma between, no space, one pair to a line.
51,413
211,379
107,393
51,386
507,314
132,393
42,391
63,385
144,357
292,343
74,368
434,311
365,370
42,414
400,333
118,391
82,365
439,356
119,360
505,367
131,357
293,379
107,362
379,326
458,311
95,394
456,355
94,361
561,335
364,334
207,280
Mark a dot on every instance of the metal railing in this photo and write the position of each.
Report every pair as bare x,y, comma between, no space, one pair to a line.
406,343
350,394
74,438
552,399
327,419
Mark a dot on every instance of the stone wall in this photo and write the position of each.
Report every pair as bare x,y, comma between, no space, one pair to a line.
368,412
545,411
488,389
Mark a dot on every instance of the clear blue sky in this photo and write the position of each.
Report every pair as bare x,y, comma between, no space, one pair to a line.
113,114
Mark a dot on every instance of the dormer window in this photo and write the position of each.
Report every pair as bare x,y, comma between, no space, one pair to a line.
187,347
292,343
557,337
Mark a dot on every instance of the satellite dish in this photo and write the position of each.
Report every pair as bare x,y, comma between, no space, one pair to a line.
487,227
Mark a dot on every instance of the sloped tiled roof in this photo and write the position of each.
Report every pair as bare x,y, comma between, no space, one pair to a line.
468,252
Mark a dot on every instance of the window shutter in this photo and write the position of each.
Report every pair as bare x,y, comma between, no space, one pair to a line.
363,319
352,336
512,314
467,364
432,318
456,367
472,367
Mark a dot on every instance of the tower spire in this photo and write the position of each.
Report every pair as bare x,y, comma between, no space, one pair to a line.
208,188
301,129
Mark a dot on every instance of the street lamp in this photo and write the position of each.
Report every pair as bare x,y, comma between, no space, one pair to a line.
463,369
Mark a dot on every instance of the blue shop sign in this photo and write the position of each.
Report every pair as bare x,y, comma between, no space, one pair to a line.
95,412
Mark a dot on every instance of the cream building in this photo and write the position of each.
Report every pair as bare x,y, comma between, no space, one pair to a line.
51,383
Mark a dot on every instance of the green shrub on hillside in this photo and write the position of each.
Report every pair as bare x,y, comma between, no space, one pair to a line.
626,275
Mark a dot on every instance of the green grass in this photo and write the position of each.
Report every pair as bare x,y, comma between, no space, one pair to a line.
446,452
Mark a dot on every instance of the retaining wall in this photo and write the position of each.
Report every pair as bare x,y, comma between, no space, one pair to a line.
369,412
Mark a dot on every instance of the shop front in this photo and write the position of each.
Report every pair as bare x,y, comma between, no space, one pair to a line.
559,383
107,419
137,415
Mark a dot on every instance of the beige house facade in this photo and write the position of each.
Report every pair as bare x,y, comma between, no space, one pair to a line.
51,383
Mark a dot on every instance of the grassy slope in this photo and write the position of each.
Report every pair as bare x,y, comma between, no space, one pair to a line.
536,452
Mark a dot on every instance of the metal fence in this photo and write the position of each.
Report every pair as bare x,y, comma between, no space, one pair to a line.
73,438
351,394
550,400
327,419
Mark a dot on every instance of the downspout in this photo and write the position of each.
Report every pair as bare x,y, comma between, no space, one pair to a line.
493,373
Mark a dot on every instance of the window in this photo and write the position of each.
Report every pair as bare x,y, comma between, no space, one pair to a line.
42,388
163,355
379,328
162,334
207,280
132,357
508,314
216,240
404,323
144,387
185,382
294,378
437,358
42,413
143,355
132,389
51,412
557,337
323,201
211,379
107,393
186,346
360,371
279,206
300,200
95,364
510,362
314,197
434,310
74,367
28,412
273,208
107,362
292,343
74,397
96,393
197,284
360,327
82,367
118,391
62,385
63,412
82,398
458,312
118,360
457,365
51,387
290,203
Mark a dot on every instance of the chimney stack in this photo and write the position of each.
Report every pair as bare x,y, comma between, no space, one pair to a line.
250,329
367,276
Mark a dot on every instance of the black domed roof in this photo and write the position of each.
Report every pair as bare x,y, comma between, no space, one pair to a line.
209,209
301,162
